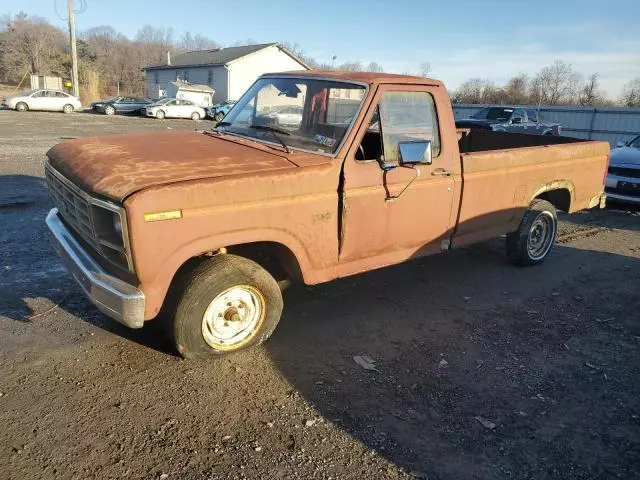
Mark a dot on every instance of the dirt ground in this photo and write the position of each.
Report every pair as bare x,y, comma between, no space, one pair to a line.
484,370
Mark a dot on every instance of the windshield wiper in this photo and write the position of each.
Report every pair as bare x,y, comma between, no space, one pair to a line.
276,132
223,124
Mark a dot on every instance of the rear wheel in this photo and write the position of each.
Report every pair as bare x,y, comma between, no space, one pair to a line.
534,239
67,108
22,107
160,114
195,116
228,303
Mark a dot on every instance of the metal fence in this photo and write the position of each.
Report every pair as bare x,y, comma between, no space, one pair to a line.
611,124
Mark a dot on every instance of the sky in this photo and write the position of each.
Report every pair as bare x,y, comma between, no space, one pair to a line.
493,39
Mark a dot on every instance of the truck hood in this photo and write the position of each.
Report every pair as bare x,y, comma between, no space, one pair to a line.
118,165
625,156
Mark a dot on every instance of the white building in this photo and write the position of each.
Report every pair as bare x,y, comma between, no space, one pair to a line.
228,71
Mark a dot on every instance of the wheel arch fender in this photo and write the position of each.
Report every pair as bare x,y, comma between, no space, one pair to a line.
288,249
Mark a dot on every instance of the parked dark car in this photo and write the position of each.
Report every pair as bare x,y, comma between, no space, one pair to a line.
510,119
120,105
623,180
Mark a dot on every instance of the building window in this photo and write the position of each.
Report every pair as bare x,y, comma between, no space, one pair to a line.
210,77
185,75
156,78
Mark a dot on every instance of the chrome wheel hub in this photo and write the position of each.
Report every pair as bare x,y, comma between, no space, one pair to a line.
232,317
541,235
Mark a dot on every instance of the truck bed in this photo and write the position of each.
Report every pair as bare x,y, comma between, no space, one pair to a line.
481,140
503,172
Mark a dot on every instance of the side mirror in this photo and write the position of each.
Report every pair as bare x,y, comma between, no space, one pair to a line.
621,144
415,152
516,120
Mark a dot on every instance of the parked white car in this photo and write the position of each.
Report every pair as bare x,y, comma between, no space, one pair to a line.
289,116
44,99
174,108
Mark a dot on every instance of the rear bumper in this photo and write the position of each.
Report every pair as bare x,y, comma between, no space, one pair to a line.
117,299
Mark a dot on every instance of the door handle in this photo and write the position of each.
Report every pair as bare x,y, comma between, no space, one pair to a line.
441,172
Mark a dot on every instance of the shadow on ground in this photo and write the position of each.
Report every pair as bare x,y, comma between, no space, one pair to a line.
482,369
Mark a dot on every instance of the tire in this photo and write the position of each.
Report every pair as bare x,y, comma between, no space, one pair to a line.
109,110
531,243
195,116
22,107
160,114
218,116
212,301
67,108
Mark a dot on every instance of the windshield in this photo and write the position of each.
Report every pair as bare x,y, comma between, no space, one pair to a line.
635,143
314,114
493,113
160,102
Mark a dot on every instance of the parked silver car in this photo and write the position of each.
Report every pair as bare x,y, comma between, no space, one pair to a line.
623,179
43,99
174,108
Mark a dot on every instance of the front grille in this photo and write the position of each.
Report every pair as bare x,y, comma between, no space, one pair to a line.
74,208
624,190
625,172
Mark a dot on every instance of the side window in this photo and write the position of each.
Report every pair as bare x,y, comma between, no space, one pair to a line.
517,113
407,116
38,94
61,95
532,115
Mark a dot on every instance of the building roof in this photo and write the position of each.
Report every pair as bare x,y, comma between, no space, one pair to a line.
217,56
370,78
192,87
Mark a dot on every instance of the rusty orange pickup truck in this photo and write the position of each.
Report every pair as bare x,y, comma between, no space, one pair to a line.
310,177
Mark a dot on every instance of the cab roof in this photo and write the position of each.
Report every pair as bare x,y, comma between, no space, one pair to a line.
371,78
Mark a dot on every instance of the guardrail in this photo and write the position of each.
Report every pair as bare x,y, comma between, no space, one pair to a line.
600,123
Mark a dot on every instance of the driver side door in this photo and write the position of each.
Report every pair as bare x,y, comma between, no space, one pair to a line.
377,230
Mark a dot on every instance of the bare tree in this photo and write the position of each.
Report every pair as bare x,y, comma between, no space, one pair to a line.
516,90
190,42
29,44
555,84
154,43
590,93
350,67
477,90
631,93
425,69
374,67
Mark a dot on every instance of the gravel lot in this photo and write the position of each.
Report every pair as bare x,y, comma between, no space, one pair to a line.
484,370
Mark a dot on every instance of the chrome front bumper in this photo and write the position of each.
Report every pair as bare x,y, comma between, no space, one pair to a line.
612,185
119,300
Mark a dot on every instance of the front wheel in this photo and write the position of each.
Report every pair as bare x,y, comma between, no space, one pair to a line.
534,239
160,114
229,303
22,107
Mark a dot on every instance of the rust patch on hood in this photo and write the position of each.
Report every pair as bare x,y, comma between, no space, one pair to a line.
118,165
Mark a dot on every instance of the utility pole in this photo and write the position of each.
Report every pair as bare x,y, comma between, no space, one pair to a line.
74,51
